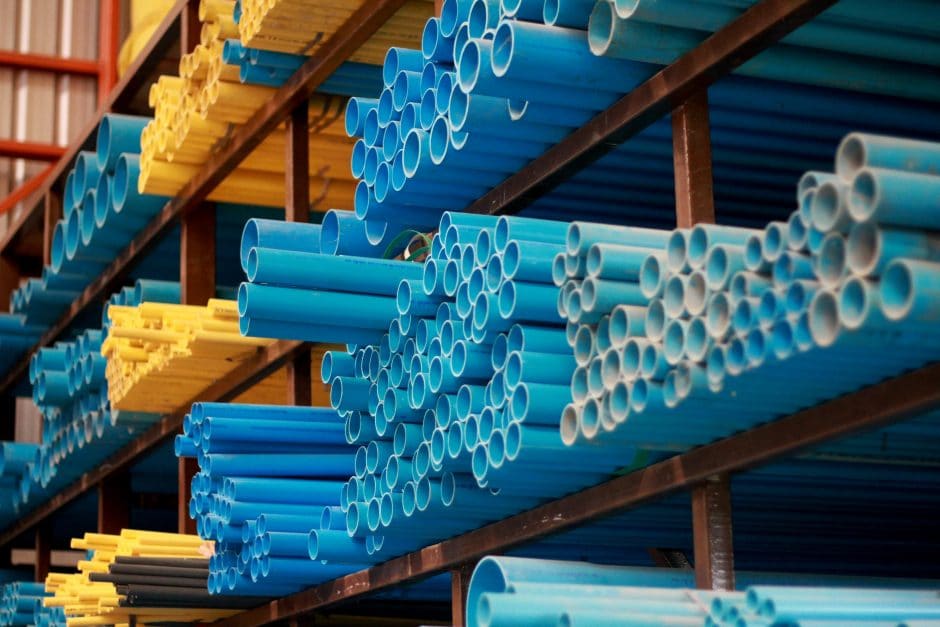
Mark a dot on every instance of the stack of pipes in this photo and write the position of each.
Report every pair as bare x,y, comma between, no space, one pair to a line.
80,427
21,603
16,459
855,45
267,473
459,397
160,355
220,86
515,592
90,599
16,337
476,104
734,312
70,388
272,69
102,212
167,583
302,27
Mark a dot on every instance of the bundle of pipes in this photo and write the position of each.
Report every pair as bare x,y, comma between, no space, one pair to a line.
303,26
88,598
267,473
855,45
167,583
734,312
476,104
15,468
197,111
471,374
160,355
272,69
16,337
515,592
21,603
70,388
102,211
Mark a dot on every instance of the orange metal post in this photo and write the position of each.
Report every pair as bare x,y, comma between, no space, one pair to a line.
109,29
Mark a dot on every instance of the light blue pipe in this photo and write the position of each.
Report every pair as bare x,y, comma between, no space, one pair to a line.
125,197
277,266
909,290
86,175
660,44
528,302
280,235
826,33
476,74
309,306
453,14
398,60
522,50
862,150
894,197
567,13
117,134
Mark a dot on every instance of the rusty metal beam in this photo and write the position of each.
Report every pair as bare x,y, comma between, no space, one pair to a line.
759,27
190,27
297,165
51,213
692,162
459,587
43,548
904,396
114,502
711,534
197,286
9,281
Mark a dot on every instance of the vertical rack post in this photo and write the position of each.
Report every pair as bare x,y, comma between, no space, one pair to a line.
51,213
459,586
712,536
114,502
297,209
197,286
109,32
692,161
9,281
695,203
43,553
197,268
189,27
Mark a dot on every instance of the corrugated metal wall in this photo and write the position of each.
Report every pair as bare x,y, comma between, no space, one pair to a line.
41,106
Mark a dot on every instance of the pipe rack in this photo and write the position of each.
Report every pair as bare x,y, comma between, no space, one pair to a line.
679,86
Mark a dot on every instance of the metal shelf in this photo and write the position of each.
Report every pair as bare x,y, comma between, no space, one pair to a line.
871,407
361,25
231,385
679,89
